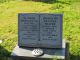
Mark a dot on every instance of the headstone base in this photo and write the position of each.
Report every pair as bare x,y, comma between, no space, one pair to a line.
20,53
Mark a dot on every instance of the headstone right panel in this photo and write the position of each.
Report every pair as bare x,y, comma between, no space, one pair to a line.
51,30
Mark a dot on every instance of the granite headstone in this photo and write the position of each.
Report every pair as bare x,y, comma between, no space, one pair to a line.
40,30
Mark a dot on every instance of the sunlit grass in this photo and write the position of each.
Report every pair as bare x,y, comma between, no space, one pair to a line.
8,21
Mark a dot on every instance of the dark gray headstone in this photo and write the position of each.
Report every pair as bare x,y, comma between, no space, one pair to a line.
40,30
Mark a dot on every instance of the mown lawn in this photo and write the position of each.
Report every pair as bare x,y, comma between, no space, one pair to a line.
71,22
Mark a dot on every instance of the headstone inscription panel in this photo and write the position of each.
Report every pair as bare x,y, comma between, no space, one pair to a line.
40,30
51,30
28,29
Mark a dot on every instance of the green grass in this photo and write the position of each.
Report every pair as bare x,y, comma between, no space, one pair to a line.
71,22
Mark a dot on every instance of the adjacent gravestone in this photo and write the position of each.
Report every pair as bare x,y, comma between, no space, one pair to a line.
40,30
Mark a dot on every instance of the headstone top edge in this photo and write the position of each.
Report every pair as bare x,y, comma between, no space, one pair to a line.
41,13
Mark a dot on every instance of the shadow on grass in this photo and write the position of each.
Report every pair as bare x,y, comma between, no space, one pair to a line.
74,57
4,53
50,1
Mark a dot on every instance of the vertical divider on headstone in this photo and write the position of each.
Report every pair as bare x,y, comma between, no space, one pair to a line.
39,31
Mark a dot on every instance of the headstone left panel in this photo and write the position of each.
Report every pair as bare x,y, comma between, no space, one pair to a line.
28,30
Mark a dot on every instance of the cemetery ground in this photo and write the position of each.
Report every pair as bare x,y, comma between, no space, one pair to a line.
8,22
